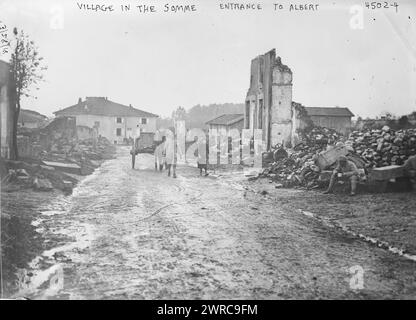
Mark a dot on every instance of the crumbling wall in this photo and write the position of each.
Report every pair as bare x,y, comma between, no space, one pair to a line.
59,132
300,121
85,133
269,100
28,147
59,128
281,111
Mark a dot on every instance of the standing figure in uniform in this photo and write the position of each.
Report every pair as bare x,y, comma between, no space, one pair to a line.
202,155
159,155
170,157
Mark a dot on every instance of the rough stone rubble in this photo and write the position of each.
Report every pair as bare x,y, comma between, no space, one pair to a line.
367,149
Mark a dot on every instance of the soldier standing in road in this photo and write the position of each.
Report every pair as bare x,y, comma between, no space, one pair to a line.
133,153
202,155
170,157
160,155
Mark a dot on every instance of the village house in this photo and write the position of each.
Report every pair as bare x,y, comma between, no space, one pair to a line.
31,119
269,100
112,120
226,125
336,118
227,122
5,114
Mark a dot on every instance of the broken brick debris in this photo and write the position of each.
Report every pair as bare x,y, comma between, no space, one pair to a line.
383,147
378,153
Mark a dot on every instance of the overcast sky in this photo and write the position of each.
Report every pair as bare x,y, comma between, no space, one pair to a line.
160,61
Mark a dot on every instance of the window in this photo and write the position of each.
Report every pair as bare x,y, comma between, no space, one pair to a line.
119,120
118,132
97,124
261,76
144,120
128,129
260,123
247,114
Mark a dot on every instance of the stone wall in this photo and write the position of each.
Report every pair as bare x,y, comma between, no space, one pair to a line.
85,133
281,111
269,100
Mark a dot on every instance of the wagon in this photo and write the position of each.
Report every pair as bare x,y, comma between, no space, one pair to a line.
143,144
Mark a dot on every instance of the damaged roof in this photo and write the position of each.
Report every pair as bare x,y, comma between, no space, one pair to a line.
101,106
227,119
26,115
329,111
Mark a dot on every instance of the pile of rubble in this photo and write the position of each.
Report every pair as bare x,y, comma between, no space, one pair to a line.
299,167
52,155
368,149
55,168
83,156
383,147
22,175
63,145
319,136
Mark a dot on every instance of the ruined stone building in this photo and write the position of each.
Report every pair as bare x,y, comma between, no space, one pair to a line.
6,119
269,99
269,105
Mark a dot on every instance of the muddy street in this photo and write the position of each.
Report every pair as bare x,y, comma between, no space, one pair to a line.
137,234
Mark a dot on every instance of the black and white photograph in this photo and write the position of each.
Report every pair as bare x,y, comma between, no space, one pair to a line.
213,150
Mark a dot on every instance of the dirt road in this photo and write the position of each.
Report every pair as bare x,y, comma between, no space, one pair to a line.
137,234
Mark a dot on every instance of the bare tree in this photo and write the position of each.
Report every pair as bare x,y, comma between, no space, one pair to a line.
25,75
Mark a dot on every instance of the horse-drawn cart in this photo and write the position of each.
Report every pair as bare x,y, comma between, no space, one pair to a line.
143,144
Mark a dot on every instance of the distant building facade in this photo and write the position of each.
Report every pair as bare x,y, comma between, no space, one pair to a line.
335,118
31,119
269,100
227,122
6,119
112,120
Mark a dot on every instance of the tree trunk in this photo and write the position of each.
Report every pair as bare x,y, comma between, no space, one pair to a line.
14,110
15,149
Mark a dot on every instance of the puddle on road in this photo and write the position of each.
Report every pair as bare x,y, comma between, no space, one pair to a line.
58,222
68,224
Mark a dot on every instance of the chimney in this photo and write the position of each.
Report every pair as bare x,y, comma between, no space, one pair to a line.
130,105
79,100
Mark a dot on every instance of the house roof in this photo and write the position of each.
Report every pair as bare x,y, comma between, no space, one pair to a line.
329,111
101,106
227,119
31,116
